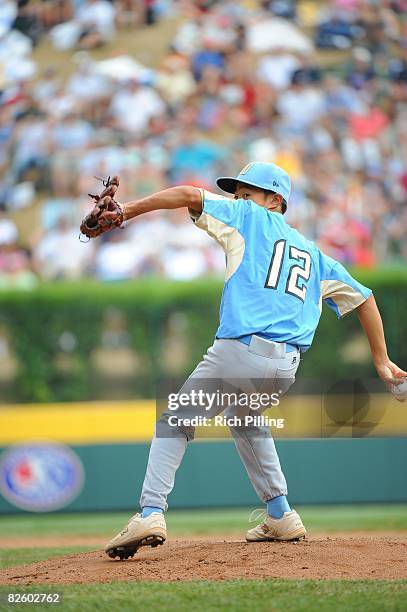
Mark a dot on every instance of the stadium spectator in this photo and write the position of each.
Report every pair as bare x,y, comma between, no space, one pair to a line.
134,105
59,255
97,21
15,264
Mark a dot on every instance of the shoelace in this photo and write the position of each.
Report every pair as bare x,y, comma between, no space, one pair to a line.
257,514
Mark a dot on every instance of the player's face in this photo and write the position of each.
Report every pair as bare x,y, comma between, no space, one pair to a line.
259,196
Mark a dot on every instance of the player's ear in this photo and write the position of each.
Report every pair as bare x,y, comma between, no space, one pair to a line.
278,199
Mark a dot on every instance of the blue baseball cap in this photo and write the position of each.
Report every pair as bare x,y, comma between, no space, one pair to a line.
264,175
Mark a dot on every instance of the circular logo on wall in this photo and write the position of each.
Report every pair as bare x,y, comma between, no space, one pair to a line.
40,477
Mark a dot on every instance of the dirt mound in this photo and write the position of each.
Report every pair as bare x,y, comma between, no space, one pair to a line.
323,558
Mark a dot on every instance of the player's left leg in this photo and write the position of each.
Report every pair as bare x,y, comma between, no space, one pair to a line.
257,450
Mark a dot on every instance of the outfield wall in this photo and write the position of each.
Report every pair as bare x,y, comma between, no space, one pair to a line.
92,456
318,471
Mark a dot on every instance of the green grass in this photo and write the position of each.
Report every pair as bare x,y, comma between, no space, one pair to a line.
239,595
224,521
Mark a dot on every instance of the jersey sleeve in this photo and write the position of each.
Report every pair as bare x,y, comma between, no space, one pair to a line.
339,290
223,210
223,218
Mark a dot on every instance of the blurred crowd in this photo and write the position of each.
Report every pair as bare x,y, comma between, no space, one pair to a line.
317,87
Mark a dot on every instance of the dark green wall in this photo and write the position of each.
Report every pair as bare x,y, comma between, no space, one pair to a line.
317,471
152,316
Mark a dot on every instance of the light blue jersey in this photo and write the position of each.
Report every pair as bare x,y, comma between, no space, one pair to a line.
276,279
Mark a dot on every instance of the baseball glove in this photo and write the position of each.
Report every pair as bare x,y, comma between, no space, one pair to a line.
106,213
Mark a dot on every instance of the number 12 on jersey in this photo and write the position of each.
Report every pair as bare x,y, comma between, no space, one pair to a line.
298,273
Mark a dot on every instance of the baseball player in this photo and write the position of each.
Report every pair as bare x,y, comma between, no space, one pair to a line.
275,283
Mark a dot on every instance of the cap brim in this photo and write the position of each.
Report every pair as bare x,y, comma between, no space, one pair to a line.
227,183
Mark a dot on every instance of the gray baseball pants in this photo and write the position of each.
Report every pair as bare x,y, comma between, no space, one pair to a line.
262,366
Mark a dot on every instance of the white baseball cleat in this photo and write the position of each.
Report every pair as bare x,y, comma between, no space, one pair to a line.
139,531
288,527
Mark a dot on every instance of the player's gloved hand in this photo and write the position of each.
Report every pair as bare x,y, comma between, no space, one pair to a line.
106,214
394,377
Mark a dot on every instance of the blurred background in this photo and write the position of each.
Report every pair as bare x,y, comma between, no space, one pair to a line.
167,92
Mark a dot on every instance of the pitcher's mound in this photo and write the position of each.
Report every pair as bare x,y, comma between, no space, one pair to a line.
323,558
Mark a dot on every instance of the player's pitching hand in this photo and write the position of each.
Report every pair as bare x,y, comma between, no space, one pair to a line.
395,379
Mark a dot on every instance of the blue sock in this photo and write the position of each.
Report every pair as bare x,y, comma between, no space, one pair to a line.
277,506
147,510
